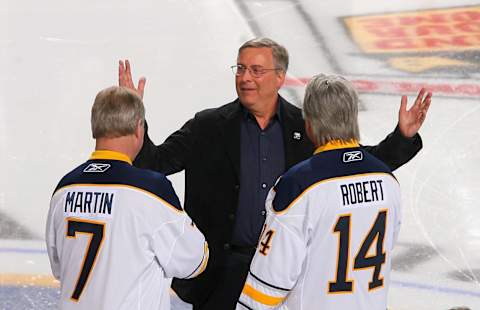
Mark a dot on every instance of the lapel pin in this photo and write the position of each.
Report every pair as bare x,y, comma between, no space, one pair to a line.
297,135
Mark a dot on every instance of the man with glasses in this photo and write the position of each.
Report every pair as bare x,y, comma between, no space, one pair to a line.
233,154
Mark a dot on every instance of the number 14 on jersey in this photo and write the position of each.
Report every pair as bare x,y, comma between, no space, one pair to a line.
362,260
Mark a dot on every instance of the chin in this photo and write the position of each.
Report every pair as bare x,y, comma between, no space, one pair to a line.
247,101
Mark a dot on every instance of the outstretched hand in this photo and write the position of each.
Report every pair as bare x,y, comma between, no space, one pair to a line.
125,78
410,121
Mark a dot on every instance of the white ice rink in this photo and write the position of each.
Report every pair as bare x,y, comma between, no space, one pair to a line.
56,55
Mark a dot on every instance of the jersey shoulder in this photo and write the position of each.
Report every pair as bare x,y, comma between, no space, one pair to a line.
119,173
322,167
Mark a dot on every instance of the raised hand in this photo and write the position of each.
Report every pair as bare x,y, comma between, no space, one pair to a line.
125,78
410,121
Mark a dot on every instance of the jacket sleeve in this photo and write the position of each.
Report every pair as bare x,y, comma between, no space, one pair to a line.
396,150
169,157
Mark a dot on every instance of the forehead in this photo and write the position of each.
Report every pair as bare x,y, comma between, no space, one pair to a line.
250,56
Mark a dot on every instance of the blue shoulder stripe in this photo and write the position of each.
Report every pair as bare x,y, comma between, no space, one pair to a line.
115,172
320,167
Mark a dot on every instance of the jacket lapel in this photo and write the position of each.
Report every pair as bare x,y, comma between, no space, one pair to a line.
230,131
293,133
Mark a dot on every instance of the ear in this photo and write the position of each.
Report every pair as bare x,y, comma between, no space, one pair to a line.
138,138
280,78
140,130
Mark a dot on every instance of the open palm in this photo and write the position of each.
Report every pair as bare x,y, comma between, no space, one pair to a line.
410,121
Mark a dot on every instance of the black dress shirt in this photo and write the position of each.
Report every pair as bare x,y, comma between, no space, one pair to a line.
262,161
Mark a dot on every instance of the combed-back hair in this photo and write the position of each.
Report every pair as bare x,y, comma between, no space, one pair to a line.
331,107
280,53
116,112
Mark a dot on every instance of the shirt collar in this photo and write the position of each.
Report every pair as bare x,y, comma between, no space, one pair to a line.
337,144
246,113
112,155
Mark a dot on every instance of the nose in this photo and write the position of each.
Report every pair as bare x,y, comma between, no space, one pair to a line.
246,76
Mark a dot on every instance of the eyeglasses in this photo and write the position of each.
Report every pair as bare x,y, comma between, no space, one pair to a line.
255,71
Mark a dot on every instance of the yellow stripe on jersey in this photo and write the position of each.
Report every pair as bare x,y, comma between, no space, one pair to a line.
110,155
113,186
206,255
261,297
337,144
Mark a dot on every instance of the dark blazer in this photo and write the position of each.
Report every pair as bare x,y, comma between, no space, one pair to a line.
207,147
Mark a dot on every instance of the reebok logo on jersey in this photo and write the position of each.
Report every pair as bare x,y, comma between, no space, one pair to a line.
97,168
352,156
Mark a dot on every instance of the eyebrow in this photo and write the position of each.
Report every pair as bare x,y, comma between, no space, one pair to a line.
252,66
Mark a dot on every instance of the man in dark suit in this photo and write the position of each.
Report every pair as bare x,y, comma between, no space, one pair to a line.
233,154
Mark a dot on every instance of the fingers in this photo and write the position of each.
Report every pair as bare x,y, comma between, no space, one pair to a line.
423,109
121,73
403,104
428,99
420,95
124,74
422,100
128,75
426,103
423,103
141,86
128,71
125,78
418,102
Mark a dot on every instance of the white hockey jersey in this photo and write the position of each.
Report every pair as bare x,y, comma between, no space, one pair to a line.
115,233
331,226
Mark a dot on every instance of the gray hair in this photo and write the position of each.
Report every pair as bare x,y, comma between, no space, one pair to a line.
331,108
280,53
116,113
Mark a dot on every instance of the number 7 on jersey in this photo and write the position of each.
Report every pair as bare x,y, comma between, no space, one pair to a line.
96,231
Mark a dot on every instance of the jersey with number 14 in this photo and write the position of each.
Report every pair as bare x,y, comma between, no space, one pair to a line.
327,242
115,233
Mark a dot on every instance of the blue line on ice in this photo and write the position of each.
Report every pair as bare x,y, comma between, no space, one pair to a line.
436,288
26,251
394,283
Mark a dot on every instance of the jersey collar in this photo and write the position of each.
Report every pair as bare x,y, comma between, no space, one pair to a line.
104,154
337,144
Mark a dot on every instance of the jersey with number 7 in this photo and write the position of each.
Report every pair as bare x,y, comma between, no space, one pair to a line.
327,243
115,233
